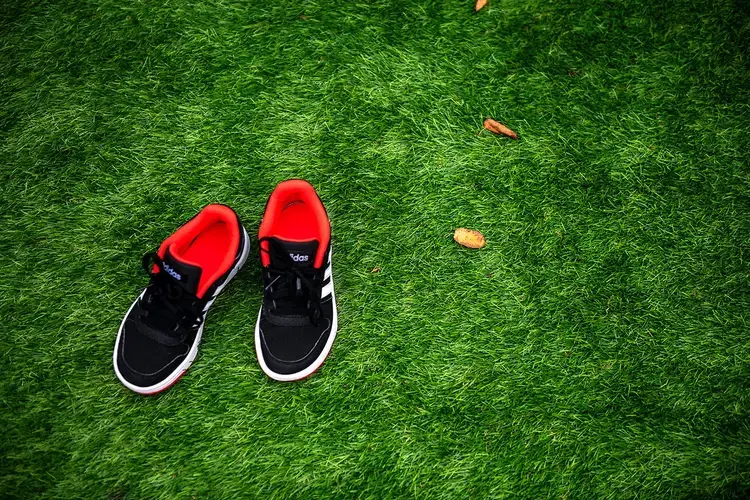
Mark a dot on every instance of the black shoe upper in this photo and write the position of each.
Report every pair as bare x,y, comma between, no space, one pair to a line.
162,325
295,321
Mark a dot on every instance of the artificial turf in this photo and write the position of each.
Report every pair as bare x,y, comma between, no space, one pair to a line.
596,347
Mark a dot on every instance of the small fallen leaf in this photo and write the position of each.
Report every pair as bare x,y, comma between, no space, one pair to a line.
499,129
375,270
303,17
479,5
469,238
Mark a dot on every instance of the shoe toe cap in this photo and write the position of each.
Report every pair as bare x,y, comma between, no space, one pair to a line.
143,363
288,350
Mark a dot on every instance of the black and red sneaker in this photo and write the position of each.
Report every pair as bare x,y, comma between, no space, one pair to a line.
297,322
159,336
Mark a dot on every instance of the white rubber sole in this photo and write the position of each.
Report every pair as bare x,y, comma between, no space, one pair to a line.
182,368
291,377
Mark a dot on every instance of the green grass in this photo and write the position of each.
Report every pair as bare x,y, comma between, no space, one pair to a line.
596,347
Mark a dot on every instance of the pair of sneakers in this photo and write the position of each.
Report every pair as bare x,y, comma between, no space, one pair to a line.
159,336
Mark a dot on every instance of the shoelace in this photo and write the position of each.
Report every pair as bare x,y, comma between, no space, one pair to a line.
288,281
170,303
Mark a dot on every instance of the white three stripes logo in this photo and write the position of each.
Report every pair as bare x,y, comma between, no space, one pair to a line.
328,289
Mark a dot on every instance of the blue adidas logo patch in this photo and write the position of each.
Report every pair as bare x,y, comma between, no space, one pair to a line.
172,272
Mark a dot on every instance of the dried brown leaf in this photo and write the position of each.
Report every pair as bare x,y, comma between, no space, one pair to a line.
469,238
375,270
499,129
479,5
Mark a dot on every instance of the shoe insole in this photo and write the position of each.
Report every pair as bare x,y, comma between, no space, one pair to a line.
209,248
296,222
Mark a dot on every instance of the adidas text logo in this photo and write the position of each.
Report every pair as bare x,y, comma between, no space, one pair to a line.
172,272
299,258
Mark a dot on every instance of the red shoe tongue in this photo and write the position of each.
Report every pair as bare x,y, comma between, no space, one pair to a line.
186,275
302,253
